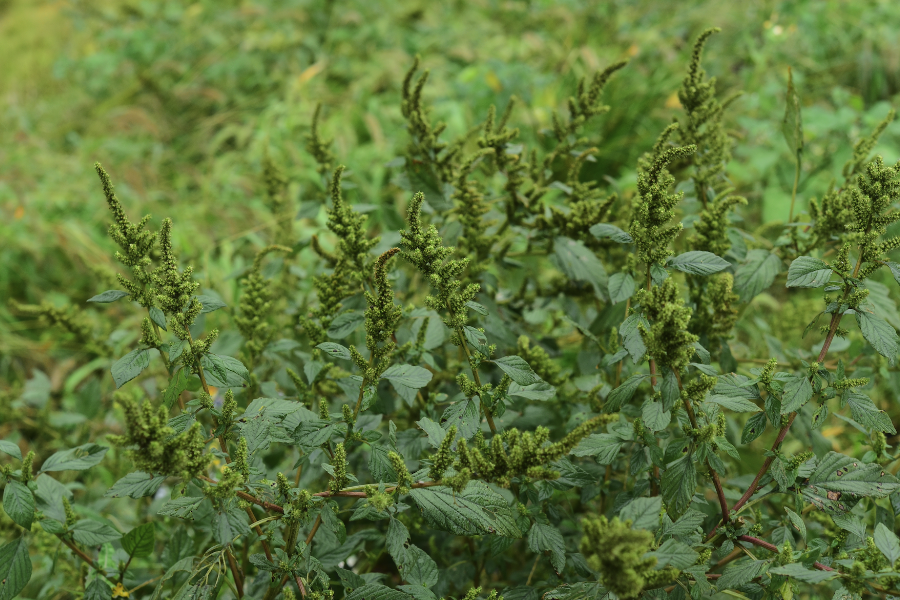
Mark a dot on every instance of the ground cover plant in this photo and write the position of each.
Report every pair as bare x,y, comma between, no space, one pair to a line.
510,378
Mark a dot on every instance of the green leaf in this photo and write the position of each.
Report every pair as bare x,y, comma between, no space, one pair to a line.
476,339
578,262
631,336
92,533
864,411
543,538
741,572
887,541
879,333
224,371
76,459
517,369
736,404
183,507
623,393
797,392
792,123
98,589
698,262
678,484
18,503
674,553
407,380
335,350
140,541
480,309
11,449
209,303
604,446
376,591
839,482
478,510
603,231
177,384
157,316
797,522
435,432
537,391
418,568
808,272
108,296
130,366
15,568
654,416
643,513
756,273
465,415
345,324
135,485
621,287
800,573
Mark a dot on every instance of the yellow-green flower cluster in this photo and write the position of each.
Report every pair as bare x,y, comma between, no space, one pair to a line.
668,340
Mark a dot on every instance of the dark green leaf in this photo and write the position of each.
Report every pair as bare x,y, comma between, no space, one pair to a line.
177,384
864,410
92,533
480,309
98,589
518,370
140,541
77,459
654,416
465,415
130,366
643,513
753,428
407,380
756,273
418,568
345,324
623,393
15,568
887,541
183,507
476,339
808,272
376,591
879,333
157,316
674,553
797,392
792,124
478,510
839,482
335,350
18,503
224,371
797,522
631,336
11,449
603,231
108,296
604,446
578,262
543,538
698,262
135,485
800,573
741,572
678,484
209,303
621,287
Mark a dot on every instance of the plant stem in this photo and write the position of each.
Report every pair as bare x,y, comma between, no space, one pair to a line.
80,554
794,192
235,573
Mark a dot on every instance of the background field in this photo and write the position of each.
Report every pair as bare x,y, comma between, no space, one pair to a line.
180,100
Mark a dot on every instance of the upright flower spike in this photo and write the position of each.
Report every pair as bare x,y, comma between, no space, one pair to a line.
655,206
173,288
382,314
319,147
668,340
135,243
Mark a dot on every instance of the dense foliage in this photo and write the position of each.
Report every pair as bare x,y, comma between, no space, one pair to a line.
515,377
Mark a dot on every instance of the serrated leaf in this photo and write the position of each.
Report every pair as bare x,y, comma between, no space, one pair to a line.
76,459
542,538
800,573
18,503
808,272
756,273
476,339
797,522
209,303
15,568
140,541
604,446
376,591
407,380
418,568
480,309
698,262
623,393
224,371
108,296
674,553
135,485
753,428
477,510
130,366
678,484
157,316
92,533
643,513
98,589
879,333
537,391
11,449
345,324
621,287
887,541
334,350
517,369
435,432
603,231
177,384
864,410
631,336
182,508
797,392
732,403
578,262
741,572
655,417
465,415
839,482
